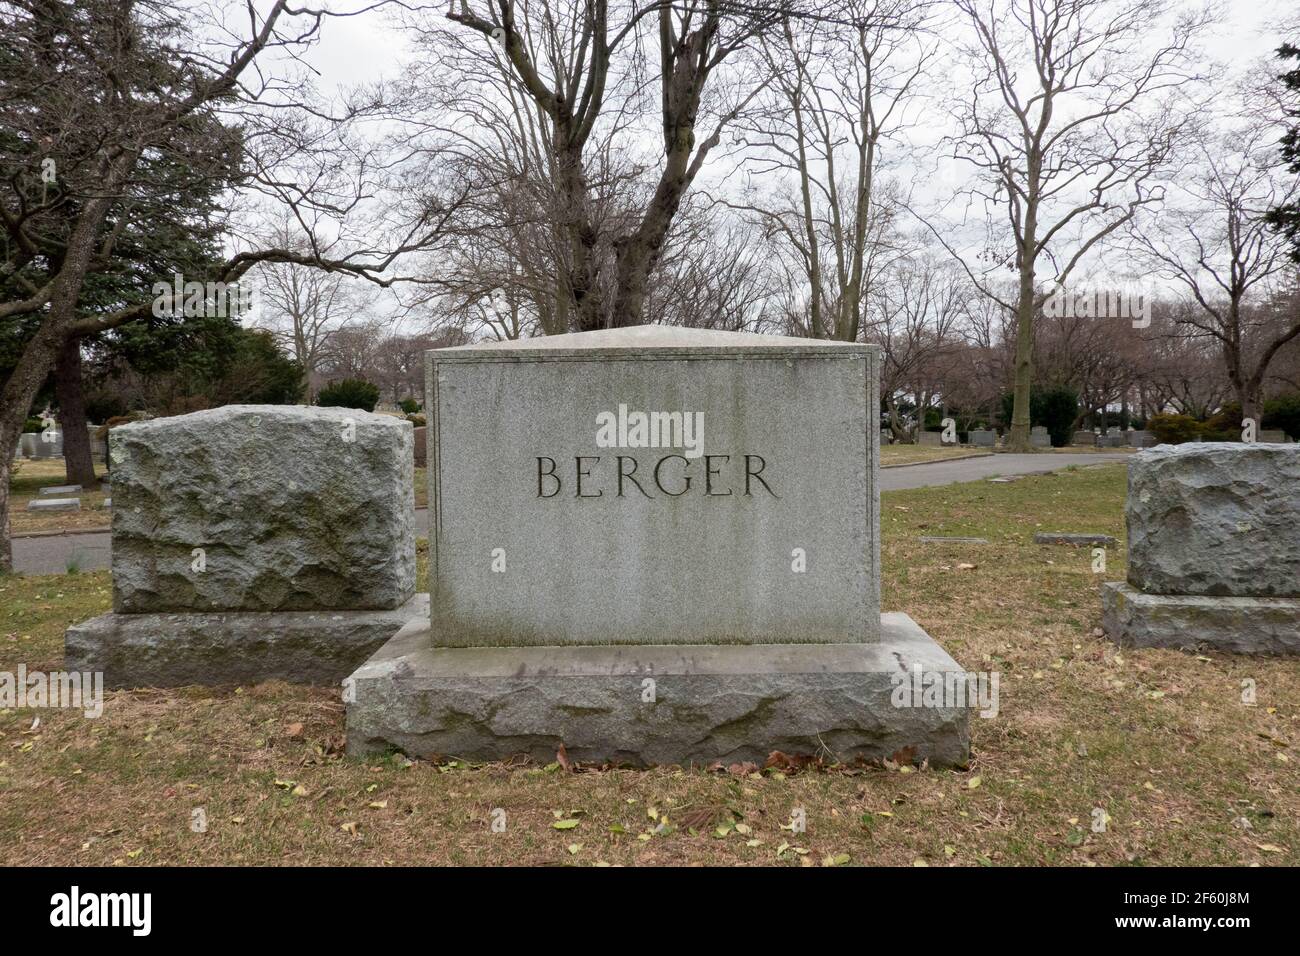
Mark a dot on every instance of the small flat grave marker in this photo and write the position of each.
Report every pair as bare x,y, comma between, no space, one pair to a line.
54,504
60,490
1063,537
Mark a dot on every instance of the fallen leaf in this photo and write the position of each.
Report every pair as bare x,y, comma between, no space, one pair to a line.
697,819
562,758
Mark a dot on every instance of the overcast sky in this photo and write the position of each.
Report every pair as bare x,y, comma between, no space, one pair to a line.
365,48
371,47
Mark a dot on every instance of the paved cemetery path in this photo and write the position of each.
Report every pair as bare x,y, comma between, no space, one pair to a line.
54,554
942,472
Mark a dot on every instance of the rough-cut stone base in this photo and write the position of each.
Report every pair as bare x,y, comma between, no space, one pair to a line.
1189,622
710,702
169,650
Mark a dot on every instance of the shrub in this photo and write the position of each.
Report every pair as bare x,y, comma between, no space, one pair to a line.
1284,412
1056,408
1174,429
32,425
349,393
103,404
409,405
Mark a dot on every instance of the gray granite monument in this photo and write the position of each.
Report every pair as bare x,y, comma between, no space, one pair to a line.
1214,550
654,545
254,542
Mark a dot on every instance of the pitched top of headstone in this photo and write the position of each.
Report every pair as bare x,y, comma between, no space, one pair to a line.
1218,450
253,415
649,338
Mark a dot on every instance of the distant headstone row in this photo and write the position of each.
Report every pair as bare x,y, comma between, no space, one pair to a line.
49,444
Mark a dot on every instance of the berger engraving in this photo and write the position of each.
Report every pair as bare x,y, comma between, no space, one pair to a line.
716,479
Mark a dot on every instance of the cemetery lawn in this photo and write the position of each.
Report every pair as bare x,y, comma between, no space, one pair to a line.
1156,744
916,454
33,474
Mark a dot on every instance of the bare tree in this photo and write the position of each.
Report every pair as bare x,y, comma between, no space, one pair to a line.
103,86
1068,114
916,317
304,308
1213,241
579,64
1186,372
839,91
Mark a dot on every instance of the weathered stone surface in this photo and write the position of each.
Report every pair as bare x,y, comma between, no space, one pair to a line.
1243,625
1215,519
1088,439
1064,537
1039,437
171,650
293,509
761,527
710,703
54,504
983,438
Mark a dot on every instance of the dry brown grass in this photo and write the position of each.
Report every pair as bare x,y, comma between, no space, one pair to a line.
1160,740
917,454
30,475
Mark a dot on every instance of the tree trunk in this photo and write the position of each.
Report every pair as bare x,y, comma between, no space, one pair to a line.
578,283
1248,395
1018,440
42,350
632,274
78,462
19,392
